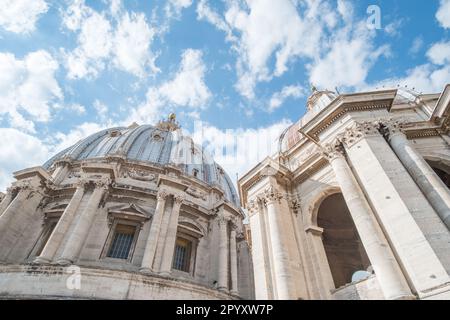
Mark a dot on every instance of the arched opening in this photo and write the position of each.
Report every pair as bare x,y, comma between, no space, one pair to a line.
441,168
345,253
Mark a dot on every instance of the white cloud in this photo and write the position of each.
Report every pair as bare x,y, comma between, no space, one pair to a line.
439,53
268,38
349,59
174,8
20,16
278,98
94,45
29,87
443,14
268,30
101,109
428,77
417,45
132,45
61,141
19,151
123,43
187,88
237,150
78,108
424,78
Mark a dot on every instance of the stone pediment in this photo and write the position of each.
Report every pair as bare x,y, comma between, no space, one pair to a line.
130,210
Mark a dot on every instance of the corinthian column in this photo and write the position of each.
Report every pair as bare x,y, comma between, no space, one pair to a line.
280,259
169,245
414,230
233,261
389,275
151,244
13,208
260,251
223,254
428,181
62,226
10,193
81,230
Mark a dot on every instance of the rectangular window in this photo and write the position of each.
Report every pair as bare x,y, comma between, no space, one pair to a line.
121,242
182,255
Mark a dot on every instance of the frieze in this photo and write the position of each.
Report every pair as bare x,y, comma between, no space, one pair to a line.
196,193
141,175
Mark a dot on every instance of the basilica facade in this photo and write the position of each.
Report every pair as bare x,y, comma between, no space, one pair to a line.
136,212
356,203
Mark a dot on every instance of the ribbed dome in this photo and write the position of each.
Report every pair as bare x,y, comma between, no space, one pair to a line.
158,145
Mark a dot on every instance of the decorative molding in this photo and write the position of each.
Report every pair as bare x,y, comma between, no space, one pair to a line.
141,175
196,193
162,195
361,106
178,199
296,205
253,206
271,195
359,131
390,127
333,150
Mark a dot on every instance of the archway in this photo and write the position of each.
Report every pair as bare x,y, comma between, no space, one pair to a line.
442,170
344,250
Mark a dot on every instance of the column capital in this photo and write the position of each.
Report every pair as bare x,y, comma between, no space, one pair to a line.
271,195
82,183
162,195
223,220
178,199
253,206
13,190
392,127
103,183
333,150
358,131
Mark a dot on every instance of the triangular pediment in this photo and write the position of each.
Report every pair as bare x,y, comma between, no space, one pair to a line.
129,208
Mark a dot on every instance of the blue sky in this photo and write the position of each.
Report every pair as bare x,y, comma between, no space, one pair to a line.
242,68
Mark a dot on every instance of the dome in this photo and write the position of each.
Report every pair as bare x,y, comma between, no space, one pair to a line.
159,145
320,99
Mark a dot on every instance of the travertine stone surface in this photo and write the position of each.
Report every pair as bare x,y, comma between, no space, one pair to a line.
370,173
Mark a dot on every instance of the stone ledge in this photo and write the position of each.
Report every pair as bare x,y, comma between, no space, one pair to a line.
29,282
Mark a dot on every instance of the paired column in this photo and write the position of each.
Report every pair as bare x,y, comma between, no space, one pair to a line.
410,223
62,226
81,229
428,181
152,240
280,259
389,274
169,244
223,254
233,261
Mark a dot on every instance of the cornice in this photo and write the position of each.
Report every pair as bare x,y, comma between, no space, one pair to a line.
340,111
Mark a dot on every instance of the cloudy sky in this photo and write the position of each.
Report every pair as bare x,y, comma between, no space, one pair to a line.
242,67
